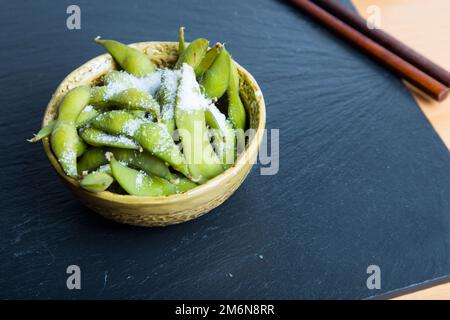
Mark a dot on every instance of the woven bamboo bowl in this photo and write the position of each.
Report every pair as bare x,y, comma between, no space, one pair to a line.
177,208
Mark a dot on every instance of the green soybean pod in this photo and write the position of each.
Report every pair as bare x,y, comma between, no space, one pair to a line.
81,147
136,99
64,139
236,110
183,184
85,116
116,76
98,138
215,81
91,160
130,59
193,54
44,132
73,103
117,122
208,60
166,97
131,98
99,97
224,135
96,181
155,138
139,183
203,163
145,162
143,115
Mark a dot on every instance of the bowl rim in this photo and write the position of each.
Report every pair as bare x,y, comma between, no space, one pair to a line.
251,149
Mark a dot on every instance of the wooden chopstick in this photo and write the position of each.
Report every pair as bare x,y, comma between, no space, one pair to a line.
405,69
386,40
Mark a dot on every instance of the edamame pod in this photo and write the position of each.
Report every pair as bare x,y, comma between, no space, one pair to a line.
99,96
208,60
44,132
130,59
132,99
155,138
215,81
86,115
117,122
95,158
224,135
64,138
183,184
81,147
117,81
181,43
116,76
143,115
98,138
145,162
166,98
203,163
236,110
139,183
92,159
96,182
193,54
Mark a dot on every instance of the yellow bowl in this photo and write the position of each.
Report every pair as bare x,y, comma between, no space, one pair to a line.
177,208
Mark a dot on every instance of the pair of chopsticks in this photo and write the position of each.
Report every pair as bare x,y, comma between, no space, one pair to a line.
401,59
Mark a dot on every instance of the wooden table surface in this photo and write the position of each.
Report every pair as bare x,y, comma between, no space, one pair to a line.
424,26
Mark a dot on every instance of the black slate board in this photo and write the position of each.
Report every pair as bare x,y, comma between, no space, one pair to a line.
363,177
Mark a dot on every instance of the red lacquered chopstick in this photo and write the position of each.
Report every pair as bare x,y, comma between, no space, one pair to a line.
405,69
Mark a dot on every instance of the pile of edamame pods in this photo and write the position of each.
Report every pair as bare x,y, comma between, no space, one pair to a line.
151,131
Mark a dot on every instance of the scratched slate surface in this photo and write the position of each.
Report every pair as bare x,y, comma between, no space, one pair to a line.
363,178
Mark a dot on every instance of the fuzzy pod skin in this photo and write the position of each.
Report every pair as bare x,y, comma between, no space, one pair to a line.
92,159
85,116
145,162
73,103
166,98
139,183
98,138
64,141
114,76
96,182
64,138
183,184
208,60
131,99
203,163
215,81
224,136
44,132
130,59
155,138
117,122
98,97
236,110
193,54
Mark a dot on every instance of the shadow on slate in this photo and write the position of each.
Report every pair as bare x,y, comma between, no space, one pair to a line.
363,177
